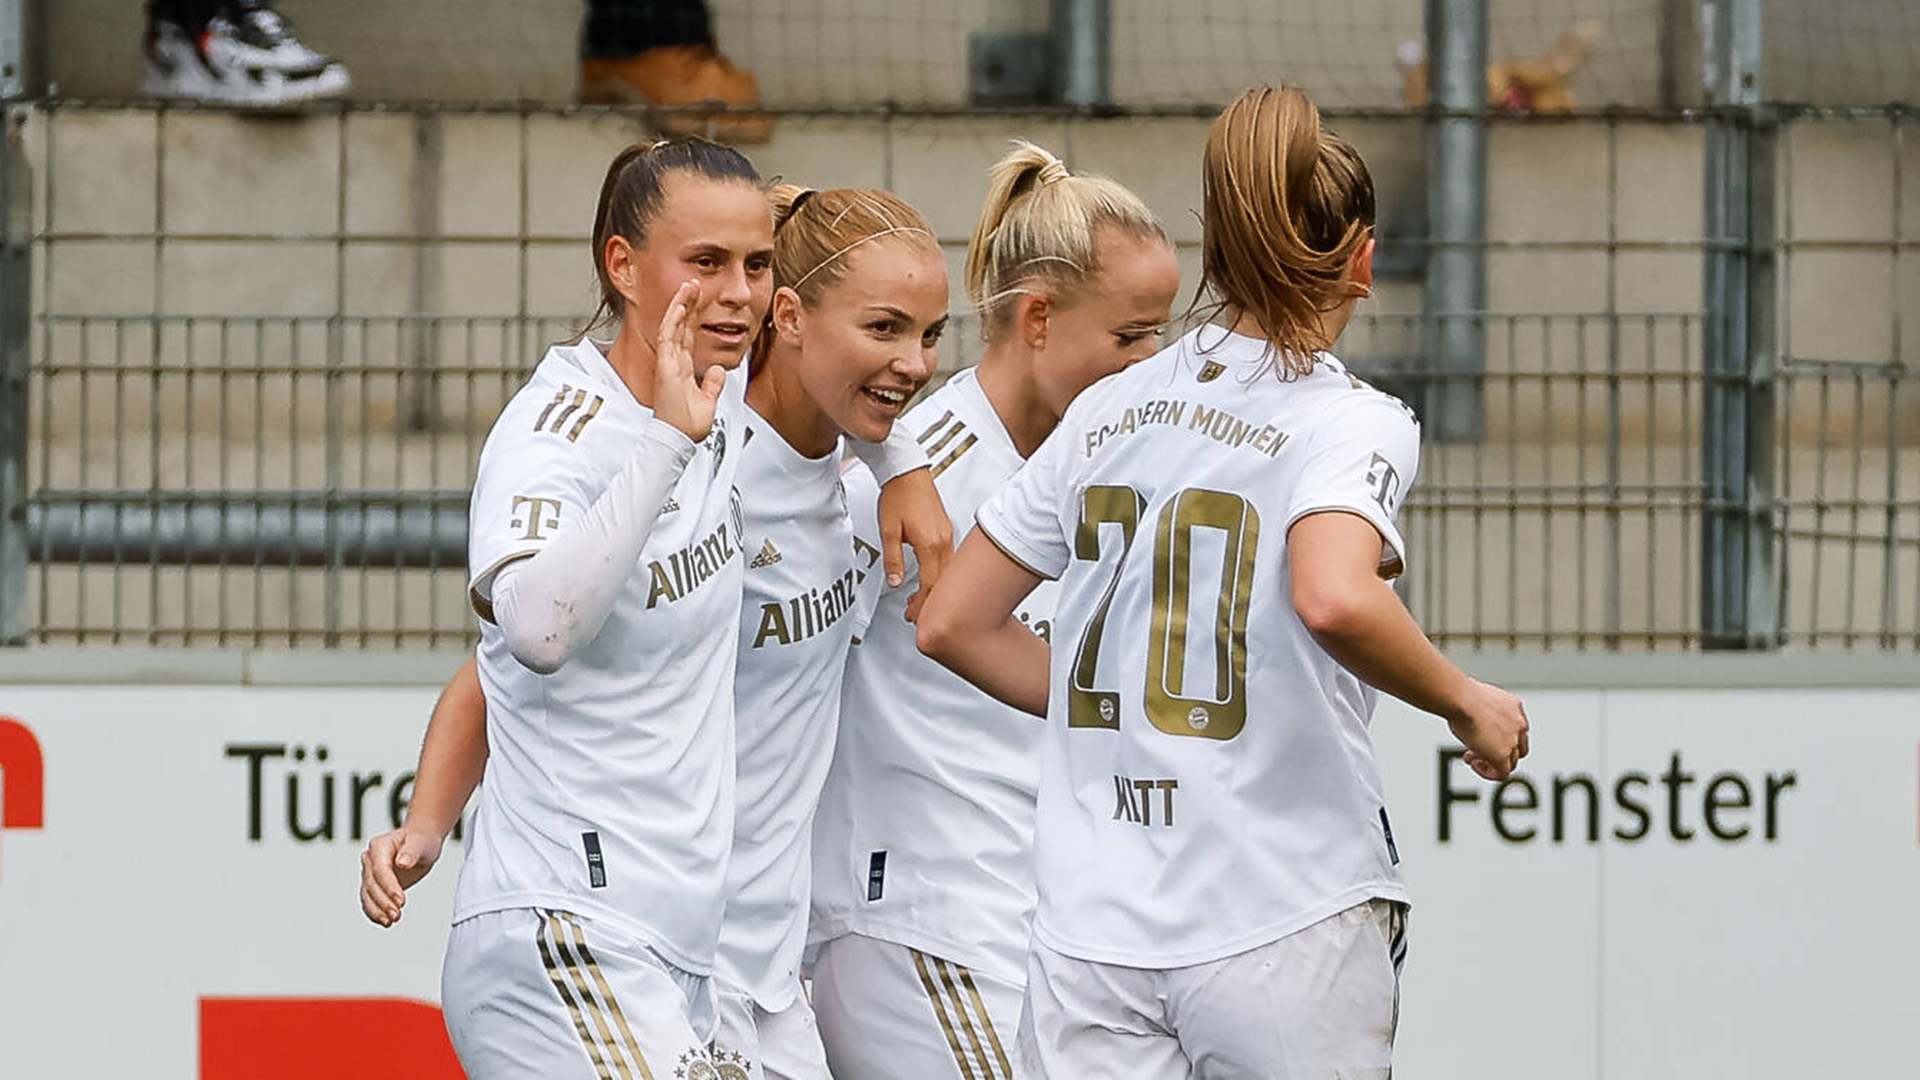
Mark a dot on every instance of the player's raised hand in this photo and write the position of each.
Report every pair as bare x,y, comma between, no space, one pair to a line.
1494,731
912,515
682,397
392,863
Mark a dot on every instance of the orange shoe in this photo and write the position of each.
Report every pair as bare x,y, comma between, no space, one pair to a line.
681,75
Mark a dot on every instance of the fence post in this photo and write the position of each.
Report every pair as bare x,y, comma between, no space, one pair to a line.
16,298
1739,600
1456,286
1083,50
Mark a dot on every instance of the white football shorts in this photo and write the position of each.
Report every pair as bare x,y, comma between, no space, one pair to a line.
546,995
889,1011
1320,1003
752,1043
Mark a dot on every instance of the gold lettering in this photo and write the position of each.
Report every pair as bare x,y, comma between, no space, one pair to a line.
662,586
773,624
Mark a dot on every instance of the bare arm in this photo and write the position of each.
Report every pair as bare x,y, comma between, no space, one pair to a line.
452,759
968,625
1355,616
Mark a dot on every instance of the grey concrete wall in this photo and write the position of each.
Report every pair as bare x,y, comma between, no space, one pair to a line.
305,220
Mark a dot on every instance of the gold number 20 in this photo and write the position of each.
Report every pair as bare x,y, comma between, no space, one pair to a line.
1167,704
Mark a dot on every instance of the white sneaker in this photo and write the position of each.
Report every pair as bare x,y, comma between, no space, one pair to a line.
247,57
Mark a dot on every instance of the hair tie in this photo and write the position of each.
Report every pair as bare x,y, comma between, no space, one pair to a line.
793,209
1053,172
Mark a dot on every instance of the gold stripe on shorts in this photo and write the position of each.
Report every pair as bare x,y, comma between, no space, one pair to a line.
986,1021
973,1036
606,992
573,1006
940,1010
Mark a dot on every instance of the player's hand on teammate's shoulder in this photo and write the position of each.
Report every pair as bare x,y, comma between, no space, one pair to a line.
1493,728
392,863
682,396
911,513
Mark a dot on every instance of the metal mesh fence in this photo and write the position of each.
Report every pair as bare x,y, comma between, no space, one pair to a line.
1164,53
255,409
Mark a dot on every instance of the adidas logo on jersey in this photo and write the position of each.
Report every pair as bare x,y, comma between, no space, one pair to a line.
767,557
669,506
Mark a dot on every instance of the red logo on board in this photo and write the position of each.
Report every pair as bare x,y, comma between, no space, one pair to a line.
323,1039
22,777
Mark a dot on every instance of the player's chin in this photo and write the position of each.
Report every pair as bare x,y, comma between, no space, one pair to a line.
725,354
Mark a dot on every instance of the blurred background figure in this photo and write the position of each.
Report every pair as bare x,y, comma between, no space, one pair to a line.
1534,84
662,52
234,52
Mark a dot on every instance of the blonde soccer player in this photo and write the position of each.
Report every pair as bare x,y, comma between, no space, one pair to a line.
1218,892
856,316
923,887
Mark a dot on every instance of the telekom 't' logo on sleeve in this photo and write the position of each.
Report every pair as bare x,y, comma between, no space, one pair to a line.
22,777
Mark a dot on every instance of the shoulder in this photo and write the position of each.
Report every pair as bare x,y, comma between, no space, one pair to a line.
1350,397
562,413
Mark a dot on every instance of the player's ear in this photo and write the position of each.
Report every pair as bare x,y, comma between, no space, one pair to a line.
621,269
789,314
1360,270
1030,316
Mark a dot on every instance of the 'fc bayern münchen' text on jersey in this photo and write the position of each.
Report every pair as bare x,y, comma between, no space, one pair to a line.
803,573
925,832
1208,779
609,783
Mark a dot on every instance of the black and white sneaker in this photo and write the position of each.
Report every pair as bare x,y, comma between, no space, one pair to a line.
248,56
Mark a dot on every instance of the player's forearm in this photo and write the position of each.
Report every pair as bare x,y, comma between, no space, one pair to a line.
553,603
453,757
1371,633
1006,661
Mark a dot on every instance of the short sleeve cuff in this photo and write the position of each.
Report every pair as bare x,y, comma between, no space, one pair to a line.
1393,551
1032,559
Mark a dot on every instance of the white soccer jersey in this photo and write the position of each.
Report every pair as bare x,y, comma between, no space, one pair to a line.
796,619
609,784
1209,783
925,832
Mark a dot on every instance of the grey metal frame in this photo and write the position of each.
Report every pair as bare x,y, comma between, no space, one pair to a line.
1739,604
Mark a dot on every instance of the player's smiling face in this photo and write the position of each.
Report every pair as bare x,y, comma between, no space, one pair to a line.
1113,322
716,232
871,339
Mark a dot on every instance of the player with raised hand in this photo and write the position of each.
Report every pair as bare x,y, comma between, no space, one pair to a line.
923,887
1217,878
856,316
607,548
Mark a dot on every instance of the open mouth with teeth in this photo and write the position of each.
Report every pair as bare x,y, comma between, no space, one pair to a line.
889,399
729,332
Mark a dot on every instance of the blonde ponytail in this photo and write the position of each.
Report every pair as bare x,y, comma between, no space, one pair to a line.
1288,205
1039,228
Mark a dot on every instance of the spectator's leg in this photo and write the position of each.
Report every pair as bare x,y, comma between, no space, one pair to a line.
662,52
617,29
191,16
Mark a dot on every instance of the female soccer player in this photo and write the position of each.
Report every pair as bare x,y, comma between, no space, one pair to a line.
1217,882
856,321
923,887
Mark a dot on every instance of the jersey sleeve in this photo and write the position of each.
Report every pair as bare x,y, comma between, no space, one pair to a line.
1023,518
863,512
530,486
1362,460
